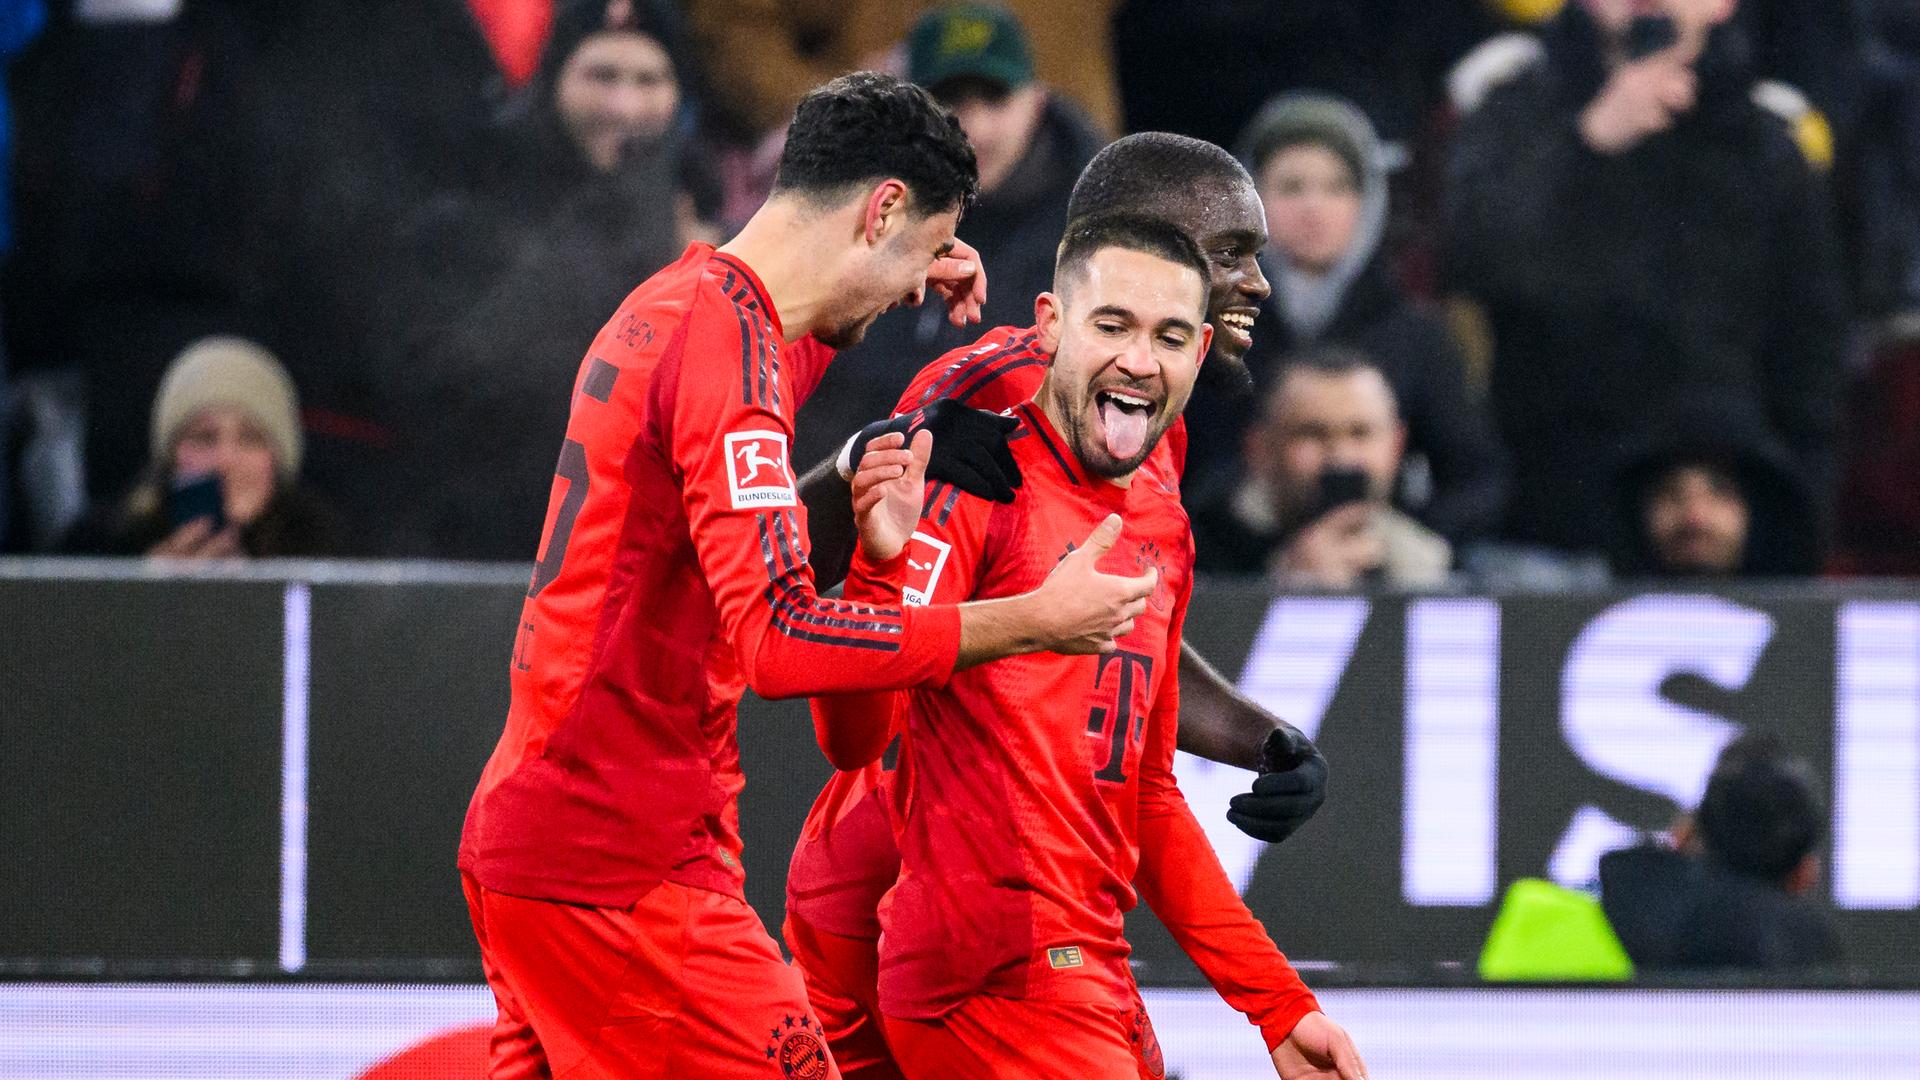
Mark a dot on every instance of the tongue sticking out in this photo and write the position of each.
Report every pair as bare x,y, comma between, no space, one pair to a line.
1126,430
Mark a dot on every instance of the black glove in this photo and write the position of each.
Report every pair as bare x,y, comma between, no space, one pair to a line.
969,447
1290,789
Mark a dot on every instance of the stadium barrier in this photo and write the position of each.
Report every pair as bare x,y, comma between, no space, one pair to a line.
250,780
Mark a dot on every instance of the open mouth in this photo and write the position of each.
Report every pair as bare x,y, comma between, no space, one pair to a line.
1239,323
1125,418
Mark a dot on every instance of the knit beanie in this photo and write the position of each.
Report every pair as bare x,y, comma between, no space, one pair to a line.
233,372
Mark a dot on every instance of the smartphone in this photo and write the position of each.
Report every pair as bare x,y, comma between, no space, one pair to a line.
196,497
1649,34
1340,485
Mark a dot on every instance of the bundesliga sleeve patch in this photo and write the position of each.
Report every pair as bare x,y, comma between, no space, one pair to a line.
926,557
757,472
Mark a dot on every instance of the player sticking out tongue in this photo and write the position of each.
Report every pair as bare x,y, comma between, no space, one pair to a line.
1126,337
1126,415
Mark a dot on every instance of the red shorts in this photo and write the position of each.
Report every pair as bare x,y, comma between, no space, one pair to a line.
843,984
684,983
988,1037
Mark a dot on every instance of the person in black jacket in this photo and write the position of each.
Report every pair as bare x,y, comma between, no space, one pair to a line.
600,182
1031,144
1710,494
1323,178
1732,890
1640,231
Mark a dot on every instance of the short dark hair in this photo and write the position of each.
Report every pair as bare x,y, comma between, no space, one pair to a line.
1761,814
1144,173
1087,237
1328,361
866,127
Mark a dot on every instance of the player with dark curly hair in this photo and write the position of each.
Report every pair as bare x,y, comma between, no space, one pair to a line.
601,853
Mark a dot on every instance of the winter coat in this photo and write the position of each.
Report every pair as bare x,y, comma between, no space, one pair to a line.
1017,229
1702,262
508,281
295,524
1675,911
1783,531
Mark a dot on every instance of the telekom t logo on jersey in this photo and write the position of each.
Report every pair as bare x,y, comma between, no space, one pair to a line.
757,473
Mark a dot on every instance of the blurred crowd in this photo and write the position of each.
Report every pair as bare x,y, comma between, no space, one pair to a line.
1559,292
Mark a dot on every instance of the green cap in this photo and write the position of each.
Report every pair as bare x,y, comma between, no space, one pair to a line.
976,40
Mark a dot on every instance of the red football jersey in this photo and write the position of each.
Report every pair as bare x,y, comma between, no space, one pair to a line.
1035,793
846,858
673,573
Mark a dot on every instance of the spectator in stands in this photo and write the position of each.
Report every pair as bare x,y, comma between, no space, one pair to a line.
133,211
1322,175
1712,495
1639,231
1031,144
598,191
226,409
1732,890
765,54
1314,509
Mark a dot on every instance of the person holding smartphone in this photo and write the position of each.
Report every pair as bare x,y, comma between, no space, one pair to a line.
1313,507
223,481
1638,219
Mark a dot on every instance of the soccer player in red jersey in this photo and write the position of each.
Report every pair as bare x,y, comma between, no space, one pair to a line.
846,858
601,852
1035,794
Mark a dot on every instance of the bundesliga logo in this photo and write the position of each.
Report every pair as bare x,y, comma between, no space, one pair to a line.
796,1048
757,473
926,557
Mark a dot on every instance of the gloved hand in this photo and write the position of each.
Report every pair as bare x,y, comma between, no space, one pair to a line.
1289,791
969,447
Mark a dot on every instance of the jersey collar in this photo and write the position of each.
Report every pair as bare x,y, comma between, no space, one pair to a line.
1061,454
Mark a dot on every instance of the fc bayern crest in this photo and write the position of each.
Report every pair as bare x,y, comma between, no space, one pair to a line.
796,1047
1146,1045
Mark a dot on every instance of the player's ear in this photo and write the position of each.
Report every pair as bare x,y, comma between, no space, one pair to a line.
885,210
1048,312
1206,343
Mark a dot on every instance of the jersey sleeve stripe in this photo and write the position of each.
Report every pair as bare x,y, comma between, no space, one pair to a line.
987,378
746,357
964,368
933,496
793,605
823,639
946,507
773,363
788,557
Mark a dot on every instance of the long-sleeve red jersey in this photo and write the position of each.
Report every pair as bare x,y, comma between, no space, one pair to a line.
846,858
1035,794
673,573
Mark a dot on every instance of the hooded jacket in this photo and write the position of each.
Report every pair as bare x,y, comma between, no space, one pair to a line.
1701,262
1783,532
1358,304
